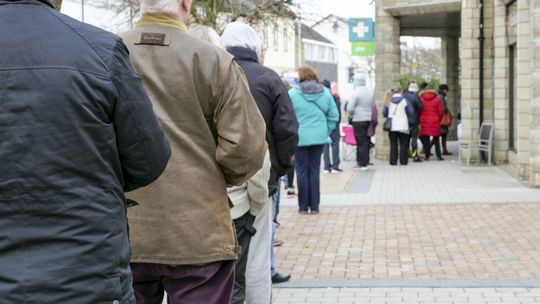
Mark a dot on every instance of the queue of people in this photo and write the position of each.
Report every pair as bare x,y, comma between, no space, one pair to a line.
179,132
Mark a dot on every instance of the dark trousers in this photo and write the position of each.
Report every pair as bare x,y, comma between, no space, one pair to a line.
334,163
413,132
244,232
207,284
307,162
362,142
444,138
290,178
427,150
403,139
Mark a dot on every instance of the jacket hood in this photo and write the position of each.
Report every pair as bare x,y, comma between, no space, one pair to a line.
243,35
311,90
428,95
243,54
397,98
359,81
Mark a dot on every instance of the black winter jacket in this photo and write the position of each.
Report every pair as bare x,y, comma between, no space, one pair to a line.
276,108
77,131
415,102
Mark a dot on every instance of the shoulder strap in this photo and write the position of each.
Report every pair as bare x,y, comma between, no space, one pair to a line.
318,106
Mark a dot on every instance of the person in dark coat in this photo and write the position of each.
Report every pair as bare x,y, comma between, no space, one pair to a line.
275,105
333,165
412,98
443,91
78,130
430,120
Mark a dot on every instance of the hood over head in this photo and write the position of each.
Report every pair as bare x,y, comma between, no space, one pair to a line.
238,34
413,87
359,81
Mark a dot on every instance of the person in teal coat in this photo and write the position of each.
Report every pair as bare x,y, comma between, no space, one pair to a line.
317,116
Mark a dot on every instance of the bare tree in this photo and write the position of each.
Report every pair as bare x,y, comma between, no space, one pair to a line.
213,13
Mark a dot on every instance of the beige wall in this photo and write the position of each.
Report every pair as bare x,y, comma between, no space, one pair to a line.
281,56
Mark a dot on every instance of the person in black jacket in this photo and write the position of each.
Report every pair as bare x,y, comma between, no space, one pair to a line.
276,108
335,136
78,130
412,98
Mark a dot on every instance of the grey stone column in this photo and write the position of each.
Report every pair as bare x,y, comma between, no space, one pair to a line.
535,103
387,70
450,76
470,67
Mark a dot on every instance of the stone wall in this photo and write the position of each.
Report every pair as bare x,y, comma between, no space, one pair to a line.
524,58
387,63
535,100
501,85
470,69
450,75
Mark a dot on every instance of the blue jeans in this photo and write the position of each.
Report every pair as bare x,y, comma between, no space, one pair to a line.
334,164
307,162
275,203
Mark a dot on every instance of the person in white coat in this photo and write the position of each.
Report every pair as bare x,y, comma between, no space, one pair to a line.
397,108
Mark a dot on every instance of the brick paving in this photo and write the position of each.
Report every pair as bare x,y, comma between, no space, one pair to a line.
412,242
433,224
407,295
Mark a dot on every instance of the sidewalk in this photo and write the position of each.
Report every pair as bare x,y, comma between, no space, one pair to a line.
435,229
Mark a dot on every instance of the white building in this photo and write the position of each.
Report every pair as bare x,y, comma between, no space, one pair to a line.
336,29
279,44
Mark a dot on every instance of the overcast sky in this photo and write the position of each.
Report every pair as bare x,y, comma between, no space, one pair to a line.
311,10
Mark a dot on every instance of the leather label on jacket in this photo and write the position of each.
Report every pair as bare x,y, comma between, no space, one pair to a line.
154,39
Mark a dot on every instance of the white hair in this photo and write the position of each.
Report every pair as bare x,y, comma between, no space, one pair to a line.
160,6
205,33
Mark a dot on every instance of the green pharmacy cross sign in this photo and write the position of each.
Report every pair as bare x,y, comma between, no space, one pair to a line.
363,48
361,29
362,36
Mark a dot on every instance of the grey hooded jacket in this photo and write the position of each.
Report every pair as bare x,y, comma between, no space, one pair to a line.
77,131
361,101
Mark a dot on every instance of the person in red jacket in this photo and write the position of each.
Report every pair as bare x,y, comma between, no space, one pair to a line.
430,121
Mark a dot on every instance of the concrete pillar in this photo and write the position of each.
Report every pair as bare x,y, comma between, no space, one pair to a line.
470,69
387,68
501,82
450,75
525,57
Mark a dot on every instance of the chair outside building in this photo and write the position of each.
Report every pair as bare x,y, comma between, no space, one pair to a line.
484,144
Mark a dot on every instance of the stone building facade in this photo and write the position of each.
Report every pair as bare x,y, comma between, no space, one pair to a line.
511,68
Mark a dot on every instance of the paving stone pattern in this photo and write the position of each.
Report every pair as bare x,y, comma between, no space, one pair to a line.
412,242
407,295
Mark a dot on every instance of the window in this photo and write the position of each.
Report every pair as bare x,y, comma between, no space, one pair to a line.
512,104
276,38
285,40
265,35
511,30
320,53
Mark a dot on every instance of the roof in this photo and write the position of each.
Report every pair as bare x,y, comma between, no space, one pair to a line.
309,33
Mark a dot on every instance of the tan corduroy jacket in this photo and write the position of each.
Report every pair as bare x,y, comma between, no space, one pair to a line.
217,138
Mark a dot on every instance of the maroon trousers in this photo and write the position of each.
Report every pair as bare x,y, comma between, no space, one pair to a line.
207,284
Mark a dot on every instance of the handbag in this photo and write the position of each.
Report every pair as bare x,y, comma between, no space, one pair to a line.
447,120
387,125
